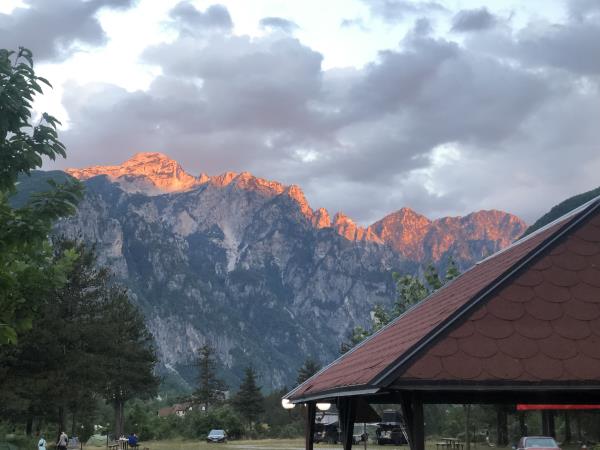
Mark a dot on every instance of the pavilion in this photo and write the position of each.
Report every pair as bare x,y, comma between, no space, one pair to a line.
520,327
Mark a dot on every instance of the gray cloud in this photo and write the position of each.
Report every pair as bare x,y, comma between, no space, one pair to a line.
579,9
443,127
573,46
278,23
395,10
192,20
51,29
473,20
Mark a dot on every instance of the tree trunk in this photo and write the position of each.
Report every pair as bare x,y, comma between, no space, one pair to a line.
119,418
502,426
467,409
73,423
578,426
568,436
29,425
522,424
61,420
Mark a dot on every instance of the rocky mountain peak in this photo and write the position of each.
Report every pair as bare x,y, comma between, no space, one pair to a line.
470,237
346,227
295,193
404,230
321,218
149,172
224,179
247,181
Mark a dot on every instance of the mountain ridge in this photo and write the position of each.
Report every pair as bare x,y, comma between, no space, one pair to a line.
406,231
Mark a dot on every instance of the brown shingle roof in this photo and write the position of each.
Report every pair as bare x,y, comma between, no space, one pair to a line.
501,340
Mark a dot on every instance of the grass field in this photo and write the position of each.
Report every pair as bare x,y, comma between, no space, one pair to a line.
267,444
264,444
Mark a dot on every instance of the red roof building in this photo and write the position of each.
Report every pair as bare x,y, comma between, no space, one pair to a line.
522,326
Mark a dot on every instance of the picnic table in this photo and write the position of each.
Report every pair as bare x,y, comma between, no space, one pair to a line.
119,444
449,444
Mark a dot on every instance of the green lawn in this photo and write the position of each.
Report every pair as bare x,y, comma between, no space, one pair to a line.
284,444
263,444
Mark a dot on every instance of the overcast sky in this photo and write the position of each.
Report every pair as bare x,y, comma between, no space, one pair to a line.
444,106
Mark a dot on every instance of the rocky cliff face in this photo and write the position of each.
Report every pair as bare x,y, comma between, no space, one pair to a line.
246,263
466,239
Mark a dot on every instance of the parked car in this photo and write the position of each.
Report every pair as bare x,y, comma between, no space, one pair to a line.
391,429
216,436
537,443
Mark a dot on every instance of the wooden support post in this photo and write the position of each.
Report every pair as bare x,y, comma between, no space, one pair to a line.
412,410
419,423
309,426
347,415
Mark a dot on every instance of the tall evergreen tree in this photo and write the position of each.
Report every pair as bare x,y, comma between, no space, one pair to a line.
128,356
211,389
249,400
308,369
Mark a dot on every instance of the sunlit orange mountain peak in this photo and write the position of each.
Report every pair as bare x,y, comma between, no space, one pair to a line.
469,237
346,227
147,171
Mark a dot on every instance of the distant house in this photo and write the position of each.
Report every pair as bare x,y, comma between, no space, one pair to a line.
179,409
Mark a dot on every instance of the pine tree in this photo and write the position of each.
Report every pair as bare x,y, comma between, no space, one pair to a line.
308,369
211,389
129,356
249,400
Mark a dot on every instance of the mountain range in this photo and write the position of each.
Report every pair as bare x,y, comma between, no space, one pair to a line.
249,266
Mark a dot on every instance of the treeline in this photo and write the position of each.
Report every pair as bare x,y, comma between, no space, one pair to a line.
274,422
246,414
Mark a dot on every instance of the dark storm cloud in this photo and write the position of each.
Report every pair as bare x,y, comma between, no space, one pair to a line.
279,23
191,19
442,127
51,28
473,20
395,10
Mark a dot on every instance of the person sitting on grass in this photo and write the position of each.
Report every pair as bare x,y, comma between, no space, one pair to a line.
133,440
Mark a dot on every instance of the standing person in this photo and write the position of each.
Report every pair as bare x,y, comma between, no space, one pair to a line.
42,443
63,441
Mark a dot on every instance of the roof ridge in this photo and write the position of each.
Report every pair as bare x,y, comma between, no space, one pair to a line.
490,287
